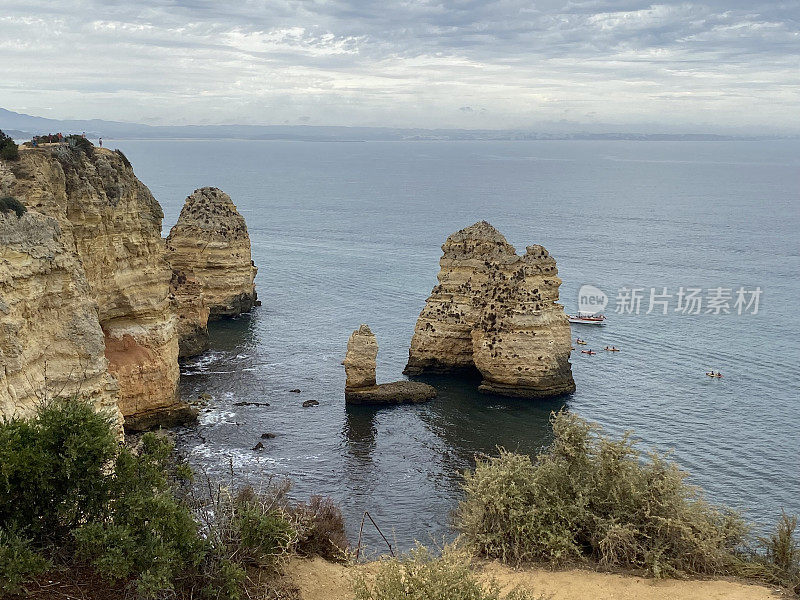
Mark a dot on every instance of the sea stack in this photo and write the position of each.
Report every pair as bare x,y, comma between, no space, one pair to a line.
84,307
361,387
210,245
496,313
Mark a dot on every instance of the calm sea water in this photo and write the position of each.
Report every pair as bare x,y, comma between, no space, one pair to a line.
350,233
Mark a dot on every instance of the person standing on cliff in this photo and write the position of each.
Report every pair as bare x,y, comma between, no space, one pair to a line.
101,142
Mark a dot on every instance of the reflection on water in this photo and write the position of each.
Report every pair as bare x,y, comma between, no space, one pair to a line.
360,431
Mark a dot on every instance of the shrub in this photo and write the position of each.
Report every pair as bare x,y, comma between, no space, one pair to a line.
146,532
779,560
67,489
322,531
10,203
18,562
591,497
8,149
82,144
419,575
252,528
53,469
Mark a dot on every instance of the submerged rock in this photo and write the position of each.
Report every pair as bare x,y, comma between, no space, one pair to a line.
361,388
495,312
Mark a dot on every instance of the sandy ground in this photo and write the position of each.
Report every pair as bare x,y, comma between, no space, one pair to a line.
320,580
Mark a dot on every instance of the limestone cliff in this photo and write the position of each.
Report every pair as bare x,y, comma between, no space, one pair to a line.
495,312
109,226
360,387
51,343
210,244
188,302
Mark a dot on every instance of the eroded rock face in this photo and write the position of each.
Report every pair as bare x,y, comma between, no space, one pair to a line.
51,343
210,244
360,364
495,312
360,361
110,225
191,313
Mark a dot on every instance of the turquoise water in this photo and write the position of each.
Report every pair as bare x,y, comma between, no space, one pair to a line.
350,233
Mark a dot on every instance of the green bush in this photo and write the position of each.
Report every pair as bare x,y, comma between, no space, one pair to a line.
81,143
419,575
10,203
8,149
591,497
53,469
252,528
145,531
18,562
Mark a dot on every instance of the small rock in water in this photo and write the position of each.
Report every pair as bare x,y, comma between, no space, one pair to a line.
308,403
267,436
258,446
251,403
295,391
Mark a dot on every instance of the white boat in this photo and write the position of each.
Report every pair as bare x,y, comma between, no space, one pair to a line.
586,319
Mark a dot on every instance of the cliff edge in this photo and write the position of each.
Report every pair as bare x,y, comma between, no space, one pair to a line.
84,288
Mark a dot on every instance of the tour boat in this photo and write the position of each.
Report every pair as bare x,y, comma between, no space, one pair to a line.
585,319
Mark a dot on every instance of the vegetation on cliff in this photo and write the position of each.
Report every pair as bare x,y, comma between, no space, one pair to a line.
8,148
11,204
71,496
589,497
421,575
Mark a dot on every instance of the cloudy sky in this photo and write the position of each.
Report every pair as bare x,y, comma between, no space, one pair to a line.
718,64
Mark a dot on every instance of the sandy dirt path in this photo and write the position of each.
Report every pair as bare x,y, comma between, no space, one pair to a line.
320,580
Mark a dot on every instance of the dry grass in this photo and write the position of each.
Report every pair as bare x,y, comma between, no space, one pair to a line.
590,497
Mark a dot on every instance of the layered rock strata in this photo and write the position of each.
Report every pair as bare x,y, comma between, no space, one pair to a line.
191,312
495,312
109,229
210,245
51,342
361,387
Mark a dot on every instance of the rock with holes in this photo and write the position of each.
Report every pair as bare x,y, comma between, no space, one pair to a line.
210,245
497,313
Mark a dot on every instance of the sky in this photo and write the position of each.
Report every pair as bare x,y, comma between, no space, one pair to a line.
718,65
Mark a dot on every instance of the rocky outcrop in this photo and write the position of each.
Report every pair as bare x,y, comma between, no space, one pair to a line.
360,360
360,387
112,266
495,312
191,312
210,245
51,343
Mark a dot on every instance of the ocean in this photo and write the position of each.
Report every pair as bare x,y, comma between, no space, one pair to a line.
346,233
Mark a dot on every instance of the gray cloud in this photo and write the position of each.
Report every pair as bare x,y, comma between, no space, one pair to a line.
718,63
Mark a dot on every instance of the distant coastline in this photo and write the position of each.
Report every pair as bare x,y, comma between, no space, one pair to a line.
22,126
